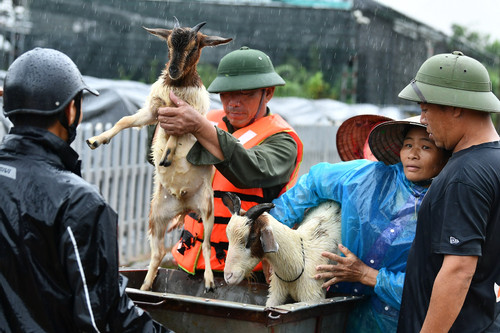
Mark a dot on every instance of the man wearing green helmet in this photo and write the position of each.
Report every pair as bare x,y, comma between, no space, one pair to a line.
453,275
256,153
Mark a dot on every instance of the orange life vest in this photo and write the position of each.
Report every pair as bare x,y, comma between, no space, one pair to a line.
187,252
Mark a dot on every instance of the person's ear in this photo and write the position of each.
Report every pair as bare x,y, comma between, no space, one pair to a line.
269,93
70,111
456,112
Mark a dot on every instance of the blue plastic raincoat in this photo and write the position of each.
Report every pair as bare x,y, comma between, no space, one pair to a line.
379,214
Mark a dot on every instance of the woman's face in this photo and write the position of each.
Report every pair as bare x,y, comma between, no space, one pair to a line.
421,159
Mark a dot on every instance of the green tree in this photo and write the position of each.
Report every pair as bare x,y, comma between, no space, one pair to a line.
492,48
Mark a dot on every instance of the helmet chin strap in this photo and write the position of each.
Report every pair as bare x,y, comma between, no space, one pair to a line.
258,109
65,122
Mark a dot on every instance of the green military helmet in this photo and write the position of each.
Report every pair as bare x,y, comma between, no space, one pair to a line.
453,79
245,69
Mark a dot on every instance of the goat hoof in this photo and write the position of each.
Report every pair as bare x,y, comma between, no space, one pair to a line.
209,289
93,144
165,163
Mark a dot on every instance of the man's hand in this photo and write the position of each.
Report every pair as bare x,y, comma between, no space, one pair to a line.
179,119
348,269
182,118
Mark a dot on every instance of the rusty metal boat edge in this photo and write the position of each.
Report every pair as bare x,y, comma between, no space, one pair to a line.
187,307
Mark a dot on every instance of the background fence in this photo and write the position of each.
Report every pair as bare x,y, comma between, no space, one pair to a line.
125,178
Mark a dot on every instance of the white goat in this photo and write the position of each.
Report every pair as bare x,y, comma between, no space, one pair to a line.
293,254
180,187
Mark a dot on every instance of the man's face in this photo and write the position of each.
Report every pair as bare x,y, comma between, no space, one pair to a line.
421,159
437,119
242,106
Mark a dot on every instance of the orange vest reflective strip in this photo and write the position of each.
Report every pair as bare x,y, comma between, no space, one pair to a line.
187,252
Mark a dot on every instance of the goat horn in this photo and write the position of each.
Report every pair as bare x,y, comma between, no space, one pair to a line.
256,211
176,24
232,201
197,27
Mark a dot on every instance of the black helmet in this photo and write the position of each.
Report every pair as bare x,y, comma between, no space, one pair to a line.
41,81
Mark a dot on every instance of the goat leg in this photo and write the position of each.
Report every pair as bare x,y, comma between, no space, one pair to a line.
208,275
168,154
157,229
143,117
176,223
277,293
208,224
311,291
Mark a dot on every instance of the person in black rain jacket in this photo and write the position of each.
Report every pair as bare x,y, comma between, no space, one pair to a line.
58,237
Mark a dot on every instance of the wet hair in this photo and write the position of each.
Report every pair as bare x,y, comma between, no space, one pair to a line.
409,127
406,129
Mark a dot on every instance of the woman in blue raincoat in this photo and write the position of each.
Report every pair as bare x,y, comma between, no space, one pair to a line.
379,201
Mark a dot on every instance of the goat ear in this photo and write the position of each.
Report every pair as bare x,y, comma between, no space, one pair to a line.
256,211
269,245
214,40
162,33
232,202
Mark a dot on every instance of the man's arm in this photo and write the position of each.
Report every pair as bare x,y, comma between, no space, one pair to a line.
91,261
184,119
449,292
323,182
265,165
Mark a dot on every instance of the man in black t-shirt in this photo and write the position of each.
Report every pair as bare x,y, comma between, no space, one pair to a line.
453,270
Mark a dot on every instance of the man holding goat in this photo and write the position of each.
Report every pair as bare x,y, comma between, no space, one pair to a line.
256,153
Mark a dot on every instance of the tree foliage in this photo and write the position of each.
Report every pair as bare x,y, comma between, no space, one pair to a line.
491,47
